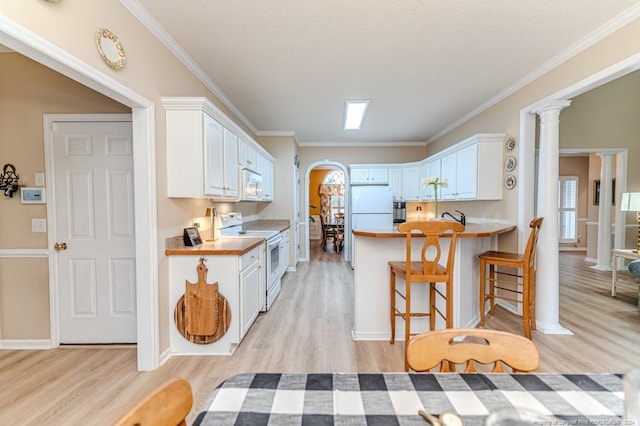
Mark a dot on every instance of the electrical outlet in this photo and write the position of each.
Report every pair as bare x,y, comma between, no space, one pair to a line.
38,225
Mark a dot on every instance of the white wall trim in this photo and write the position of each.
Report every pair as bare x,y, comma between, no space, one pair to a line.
363,144
26,344
35,47
24,253
347,207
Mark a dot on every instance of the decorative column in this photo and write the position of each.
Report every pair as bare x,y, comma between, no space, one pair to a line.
547,261
603,262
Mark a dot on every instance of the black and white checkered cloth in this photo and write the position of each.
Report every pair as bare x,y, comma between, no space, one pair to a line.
395,398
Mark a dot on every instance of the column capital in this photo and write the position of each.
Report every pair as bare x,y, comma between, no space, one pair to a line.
551,106
607,154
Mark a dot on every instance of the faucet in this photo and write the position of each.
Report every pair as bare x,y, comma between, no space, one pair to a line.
462,220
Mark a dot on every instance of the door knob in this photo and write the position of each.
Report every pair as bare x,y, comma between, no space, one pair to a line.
60,246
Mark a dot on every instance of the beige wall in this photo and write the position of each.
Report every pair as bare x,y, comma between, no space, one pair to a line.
505,115
579,166
27,91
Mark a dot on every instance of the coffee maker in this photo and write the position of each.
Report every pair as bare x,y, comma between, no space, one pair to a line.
399,212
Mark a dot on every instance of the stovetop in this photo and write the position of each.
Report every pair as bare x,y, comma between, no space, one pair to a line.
230,225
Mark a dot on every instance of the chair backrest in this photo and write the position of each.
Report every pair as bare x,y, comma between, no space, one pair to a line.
530,249
487,347
168,405
431,250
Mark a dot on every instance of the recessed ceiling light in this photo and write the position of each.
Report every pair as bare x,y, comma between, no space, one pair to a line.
354,112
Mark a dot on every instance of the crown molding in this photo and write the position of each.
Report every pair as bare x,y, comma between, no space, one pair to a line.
363,144
161,34
599,34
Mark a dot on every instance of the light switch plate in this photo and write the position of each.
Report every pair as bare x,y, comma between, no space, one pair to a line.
38,225
39,179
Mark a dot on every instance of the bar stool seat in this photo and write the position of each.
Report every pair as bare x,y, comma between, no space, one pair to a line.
427,270
520,288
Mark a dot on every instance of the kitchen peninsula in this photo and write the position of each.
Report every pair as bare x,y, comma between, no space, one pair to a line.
374,248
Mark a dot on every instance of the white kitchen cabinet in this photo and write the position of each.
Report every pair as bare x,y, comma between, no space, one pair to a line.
247,156
241,282
411,182
265,169
283,255
221,165
250,294
201,159
367,175
473,172
429,169
395,182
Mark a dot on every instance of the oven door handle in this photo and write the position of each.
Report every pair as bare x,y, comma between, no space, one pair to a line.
274,242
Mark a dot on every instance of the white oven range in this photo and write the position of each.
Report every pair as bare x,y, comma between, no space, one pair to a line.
229,225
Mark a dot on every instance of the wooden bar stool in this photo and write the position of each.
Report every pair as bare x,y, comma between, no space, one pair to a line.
425,271
524,276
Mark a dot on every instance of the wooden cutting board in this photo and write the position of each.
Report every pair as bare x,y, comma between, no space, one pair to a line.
203,314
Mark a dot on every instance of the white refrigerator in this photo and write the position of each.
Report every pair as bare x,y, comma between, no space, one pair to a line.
371,209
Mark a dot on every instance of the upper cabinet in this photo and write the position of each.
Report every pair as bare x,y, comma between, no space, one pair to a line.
206,150
395,182
265,168
247,156
369,175
472,169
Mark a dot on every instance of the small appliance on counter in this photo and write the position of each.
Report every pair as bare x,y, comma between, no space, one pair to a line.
399,212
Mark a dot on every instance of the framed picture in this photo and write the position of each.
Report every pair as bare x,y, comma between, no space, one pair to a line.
32,195
596,192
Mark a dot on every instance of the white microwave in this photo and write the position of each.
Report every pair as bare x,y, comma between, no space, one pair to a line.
251,186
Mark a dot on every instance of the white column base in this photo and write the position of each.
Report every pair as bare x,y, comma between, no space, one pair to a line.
601,268
552,328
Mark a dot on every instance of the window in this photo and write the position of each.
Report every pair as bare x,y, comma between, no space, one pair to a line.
568,209
335,181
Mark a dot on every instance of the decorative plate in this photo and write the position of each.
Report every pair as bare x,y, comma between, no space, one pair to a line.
510,182
510,163
509,144
110,48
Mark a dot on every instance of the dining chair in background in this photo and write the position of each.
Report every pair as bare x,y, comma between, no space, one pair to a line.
524,276
426,270
328,233
168,405
468,346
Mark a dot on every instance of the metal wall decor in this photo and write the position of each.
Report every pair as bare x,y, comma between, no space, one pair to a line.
509,144
110,49
510,182
9,180
510,163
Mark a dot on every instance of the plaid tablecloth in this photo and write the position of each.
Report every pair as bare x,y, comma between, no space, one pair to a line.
395,398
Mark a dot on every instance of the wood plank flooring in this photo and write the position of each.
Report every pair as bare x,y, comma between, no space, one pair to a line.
307,330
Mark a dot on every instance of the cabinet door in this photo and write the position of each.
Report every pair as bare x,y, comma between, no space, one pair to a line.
448,173
265,169
411,183
249,296
214,157
467,173
395,182
359,175
230,170
429,170
380,176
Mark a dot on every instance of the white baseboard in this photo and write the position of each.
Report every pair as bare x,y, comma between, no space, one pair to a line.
373,336
573,249
165,356
590,260
26,344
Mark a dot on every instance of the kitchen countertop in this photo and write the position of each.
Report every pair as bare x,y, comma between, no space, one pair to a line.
472,230
233,246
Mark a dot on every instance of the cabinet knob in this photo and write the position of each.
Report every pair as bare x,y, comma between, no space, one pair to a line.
60,246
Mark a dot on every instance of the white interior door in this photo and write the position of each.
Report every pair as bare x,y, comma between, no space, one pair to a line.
95,253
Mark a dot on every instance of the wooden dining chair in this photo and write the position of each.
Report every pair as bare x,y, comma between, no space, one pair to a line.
328,233
426,270
521,285
168,405
471,346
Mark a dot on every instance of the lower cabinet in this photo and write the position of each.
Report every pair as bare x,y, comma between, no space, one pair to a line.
249,294
240,281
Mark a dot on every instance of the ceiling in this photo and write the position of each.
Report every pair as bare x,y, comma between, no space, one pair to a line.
287,66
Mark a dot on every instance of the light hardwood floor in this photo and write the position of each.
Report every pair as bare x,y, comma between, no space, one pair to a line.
307,330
